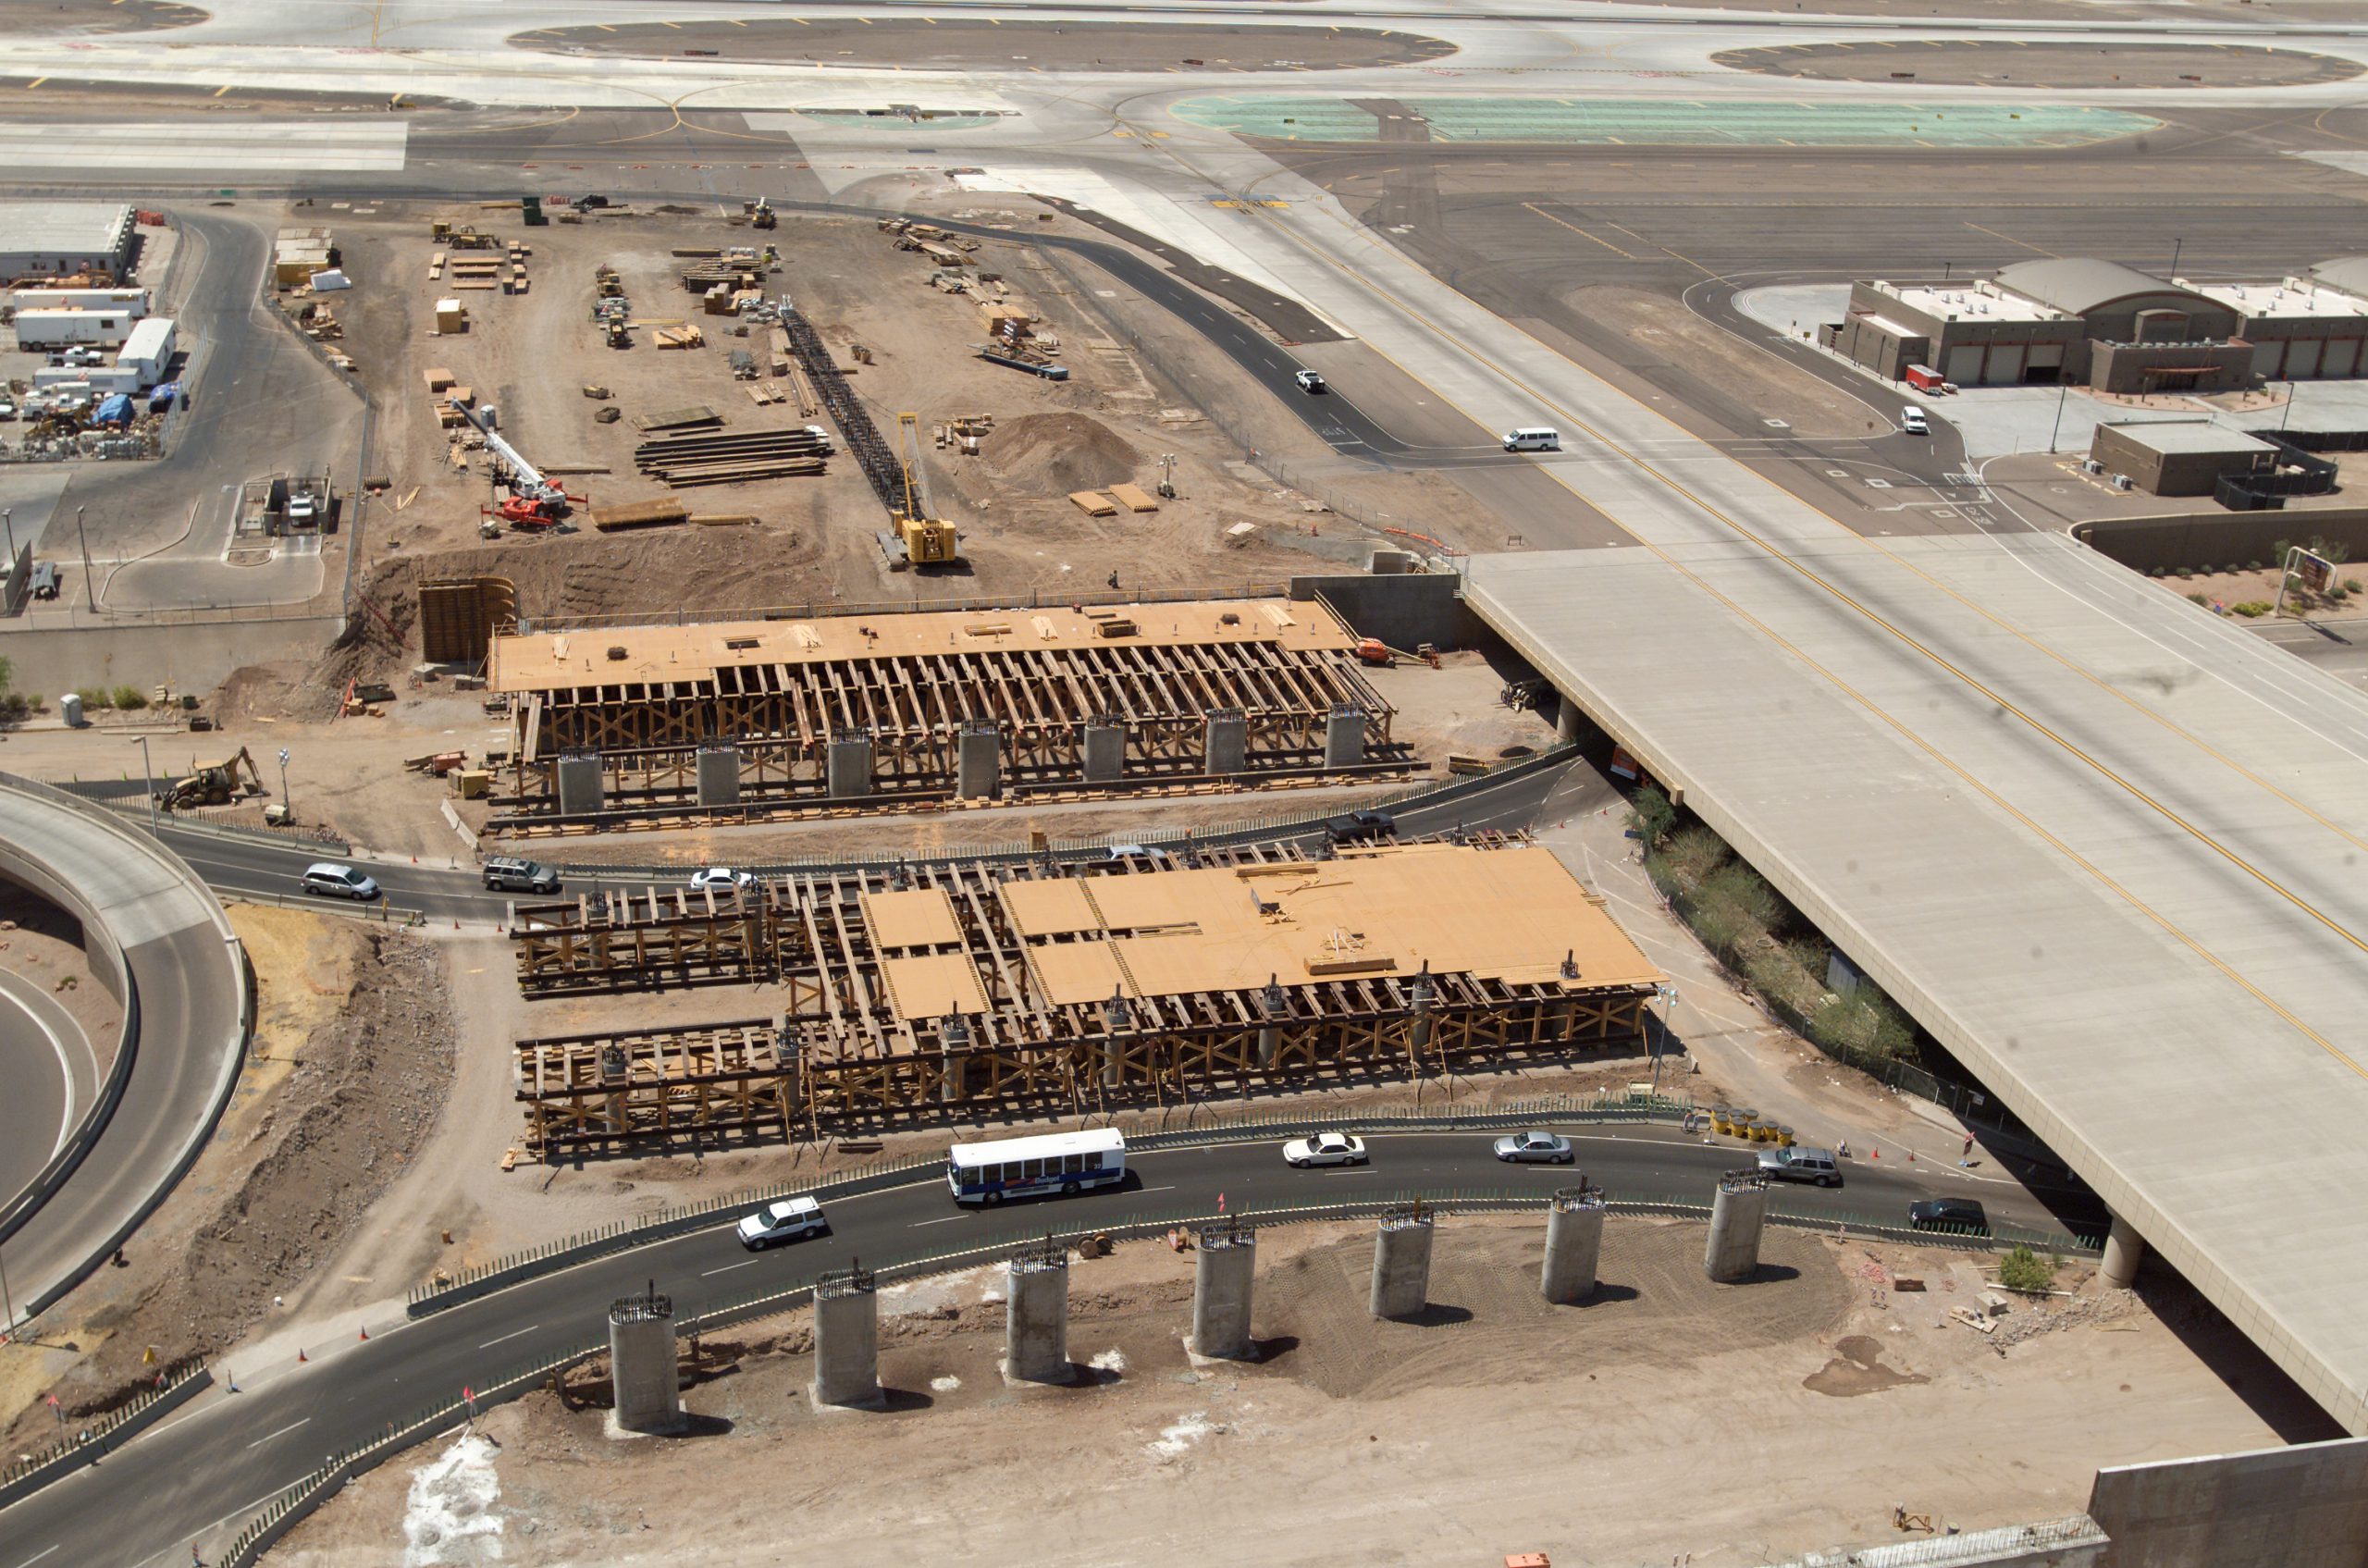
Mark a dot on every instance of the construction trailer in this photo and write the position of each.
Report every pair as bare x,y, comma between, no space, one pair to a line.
855,710
968,990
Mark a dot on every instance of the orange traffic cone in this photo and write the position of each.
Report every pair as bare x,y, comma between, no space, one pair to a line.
1874,1154
365,1333
300,1353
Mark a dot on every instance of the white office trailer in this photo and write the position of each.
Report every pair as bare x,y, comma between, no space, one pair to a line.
39,331
136,301
148,351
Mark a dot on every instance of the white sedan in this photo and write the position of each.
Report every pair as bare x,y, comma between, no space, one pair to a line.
722,879
1325,1148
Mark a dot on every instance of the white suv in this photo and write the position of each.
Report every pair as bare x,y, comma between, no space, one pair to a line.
792,1219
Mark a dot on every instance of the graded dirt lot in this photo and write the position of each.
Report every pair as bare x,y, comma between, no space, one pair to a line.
1975,63
957,44
815,540
1635,1428
351,1057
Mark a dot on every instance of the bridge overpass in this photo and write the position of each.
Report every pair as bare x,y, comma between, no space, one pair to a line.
2103,846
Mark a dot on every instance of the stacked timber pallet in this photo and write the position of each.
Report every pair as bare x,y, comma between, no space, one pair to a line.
714,458
734,276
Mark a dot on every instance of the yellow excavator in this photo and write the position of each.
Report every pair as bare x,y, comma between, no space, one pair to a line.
927,539
214,784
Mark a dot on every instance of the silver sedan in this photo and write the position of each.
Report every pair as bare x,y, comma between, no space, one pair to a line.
1534,1148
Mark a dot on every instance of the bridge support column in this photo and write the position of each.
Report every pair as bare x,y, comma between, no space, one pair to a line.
847,1339
1036,1331
1573,1245
1569,722
646,1385
1401,1263
2124,1248
719,773
1737,1215
1223,1270
580,784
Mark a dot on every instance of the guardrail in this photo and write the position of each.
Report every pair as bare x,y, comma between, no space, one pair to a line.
624,1235
174,1387
1418,797
815,609
284,1513
381,912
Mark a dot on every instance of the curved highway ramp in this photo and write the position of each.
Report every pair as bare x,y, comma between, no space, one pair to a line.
157,938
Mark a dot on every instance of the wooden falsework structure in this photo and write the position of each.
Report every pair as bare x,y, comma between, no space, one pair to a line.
459,617
971,989
646,698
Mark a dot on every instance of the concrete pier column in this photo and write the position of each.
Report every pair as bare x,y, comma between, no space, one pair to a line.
1401,1263
847,765
1274,1005
580,783
1573,1245
719,768
1223,1270
1344,736
952,1044
1036,1333
1117,1020
1737,1217
1425,996
978,772
2124,1248
1569,722
1225,747
1106,749
642,1371
847,1339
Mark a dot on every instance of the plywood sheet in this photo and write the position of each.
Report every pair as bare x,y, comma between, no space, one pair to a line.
1078,972
1052,908
920,917
930,985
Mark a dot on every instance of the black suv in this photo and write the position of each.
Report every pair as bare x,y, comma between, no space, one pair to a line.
505,874
1360,827
1949,1214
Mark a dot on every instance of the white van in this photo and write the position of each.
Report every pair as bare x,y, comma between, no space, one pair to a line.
1533,438
1912,420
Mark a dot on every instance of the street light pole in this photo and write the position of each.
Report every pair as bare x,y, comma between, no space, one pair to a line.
2293,391
7,1307
148,775
2063,391
2175,243
90,594
1660,1047
283,784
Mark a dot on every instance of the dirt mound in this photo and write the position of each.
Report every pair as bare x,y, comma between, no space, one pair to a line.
1055,453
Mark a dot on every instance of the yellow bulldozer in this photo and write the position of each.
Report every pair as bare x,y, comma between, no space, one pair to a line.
214,784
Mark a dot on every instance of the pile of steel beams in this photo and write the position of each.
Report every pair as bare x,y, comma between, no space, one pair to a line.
742,456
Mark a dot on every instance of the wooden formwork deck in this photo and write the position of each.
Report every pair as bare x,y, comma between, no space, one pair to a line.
646,698
966,987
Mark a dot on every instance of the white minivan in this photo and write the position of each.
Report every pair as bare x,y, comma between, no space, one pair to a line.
1533,438
1912,420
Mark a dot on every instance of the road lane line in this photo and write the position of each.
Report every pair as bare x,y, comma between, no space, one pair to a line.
513,1334
712,1272
36,1557
282,1433
947,1220
64,1067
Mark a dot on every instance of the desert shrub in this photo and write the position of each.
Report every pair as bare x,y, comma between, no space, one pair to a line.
2250,608
130,698
2023,1269
94,698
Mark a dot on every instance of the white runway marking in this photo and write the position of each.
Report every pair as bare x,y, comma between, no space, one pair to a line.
269,144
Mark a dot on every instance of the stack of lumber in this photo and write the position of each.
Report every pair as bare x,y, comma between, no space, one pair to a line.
716,459
678,338
659,514
731,274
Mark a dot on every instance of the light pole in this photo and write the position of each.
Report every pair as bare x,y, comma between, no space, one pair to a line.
2175,243
283,784
2292,391
1668,1001
90,594
8,519
148,775
7,1307
2063,391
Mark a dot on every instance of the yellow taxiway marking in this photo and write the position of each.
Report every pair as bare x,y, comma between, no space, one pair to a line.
1575,228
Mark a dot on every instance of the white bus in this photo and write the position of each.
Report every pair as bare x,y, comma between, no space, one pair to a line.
1067,1163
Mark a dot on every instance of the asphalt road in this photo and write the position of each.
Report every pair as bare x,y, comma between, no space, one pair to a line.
207,1468
52,1076
258,867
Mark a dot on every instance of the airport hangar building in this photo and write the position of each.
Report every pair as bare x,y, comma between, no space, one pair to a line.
2111,327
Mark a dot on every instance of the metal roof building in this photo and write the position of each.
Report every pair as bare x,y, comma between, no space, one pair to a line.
51,239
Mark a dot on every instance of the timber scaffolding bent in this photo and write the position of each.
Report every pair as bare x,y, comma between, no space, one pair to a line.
956,991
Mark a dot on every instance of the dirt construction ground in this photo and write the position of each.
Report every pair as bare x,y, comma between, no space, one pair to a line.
1661,1421
532,356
